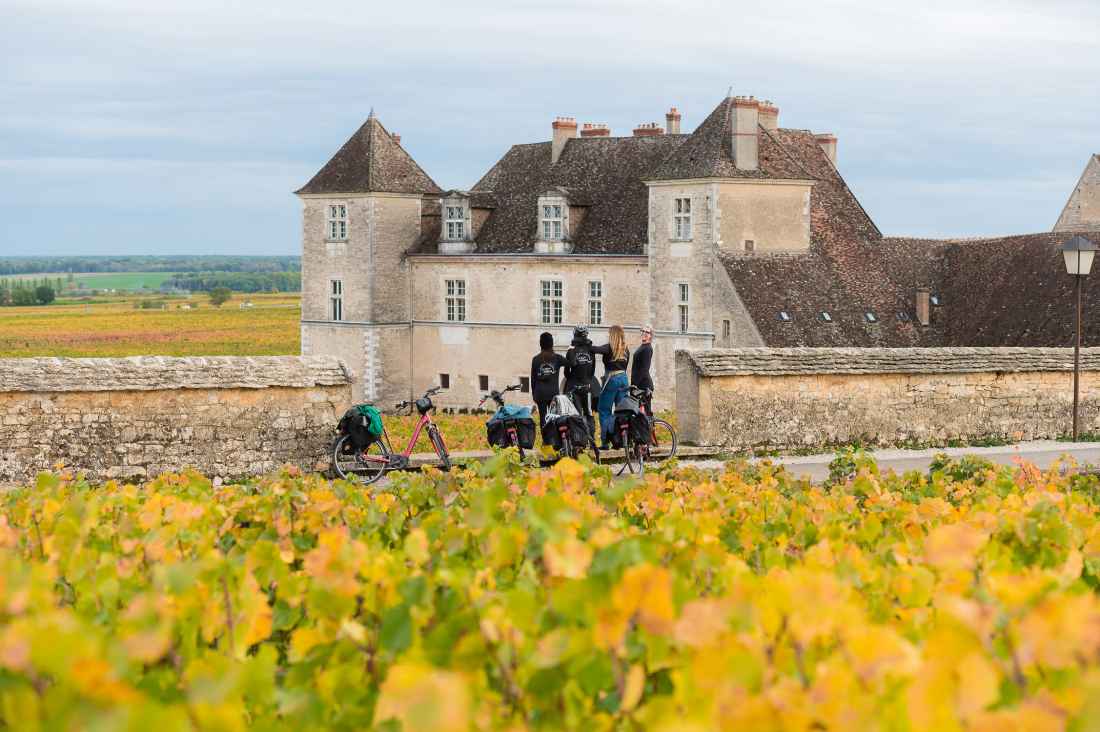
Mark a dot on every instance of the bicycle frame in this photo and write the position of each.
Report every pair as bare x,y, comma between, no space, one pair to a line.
424,421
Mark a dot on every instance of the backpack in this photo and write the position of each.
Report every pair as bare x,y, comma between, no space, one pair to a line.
363,424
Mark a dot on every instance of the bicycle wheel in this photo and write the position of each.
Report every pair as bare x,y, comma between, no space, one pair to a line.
440,448
628,463
367,465
566,447
663,441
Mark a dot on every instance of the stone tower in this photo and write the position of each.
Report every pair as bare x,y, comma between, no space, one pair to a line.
1082,211
360,214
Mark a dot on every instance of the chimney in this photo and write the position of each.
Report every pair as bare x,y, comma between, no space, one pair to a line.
746,142
564,128
672,121
595,129
769,115
396,138
648,129
827,141
924,312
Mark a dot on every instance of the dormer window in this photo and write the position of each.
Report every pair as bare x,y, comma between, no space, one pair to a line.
337,221
553,222
454,222
825,317
784,316
935,299
870,317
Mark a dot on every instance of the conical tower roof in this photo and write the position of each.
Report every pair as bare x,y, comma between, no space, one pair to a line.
371,161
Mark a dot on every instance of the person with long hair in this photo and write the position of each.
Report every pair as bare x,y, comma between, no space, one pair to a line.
616,356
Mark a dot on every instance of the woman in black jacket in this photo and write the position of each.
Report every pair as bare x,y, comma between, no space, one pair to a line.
544,376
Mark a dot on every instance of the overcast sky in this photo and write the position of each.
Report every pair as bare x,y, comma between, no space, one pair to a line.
157,126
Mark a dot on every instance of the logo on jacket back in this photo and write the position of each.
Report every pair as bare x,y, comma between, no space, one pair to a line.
546,372
584,358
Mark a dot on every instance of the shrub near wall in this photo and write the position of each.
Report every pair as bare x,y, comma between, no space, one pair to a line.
132,417
805,397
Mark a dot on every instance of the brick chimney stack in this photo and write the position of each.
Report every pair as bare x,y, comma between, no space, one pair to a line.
827,141
595,129
672,121
648,129
924,309
746,139
564,129
769,115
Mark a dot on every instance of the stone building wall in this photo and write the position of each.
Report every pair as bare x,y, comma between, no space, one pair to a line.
807,397
138,417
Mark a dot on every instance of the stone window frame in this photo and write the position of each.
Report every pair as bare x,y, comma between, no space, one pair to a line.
546,312
726,329
595,302
336,221
547,231
455,294
336,300
683,306
683,223
454,221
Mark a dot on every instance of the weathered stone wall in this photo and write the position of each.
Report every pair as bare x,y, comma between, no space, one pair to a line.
804,397
137,417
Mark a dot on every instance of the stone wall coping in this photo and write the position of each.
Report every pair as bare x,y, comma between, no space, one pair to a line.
153,373
794,361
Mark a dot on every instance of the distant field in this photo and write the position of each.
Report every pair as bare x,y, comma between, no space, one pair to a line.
115,328
108,280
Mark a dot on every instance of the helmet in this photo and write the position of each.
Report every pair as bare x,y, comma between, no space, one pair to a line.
580,332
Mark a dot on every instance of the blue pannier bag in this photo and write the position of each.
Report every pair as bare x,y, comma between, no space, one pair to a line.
517,416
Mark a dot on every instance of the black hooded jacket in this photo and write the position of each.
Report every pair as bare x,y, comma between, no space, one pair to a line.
545,367
580,366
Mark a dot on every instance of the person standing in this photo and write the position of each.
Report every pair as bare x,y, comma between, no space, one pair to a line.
643,359
615,387
545,367
580,374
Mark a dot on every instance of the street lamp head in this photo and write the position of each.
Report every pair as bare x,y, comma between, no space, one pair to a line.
1078,253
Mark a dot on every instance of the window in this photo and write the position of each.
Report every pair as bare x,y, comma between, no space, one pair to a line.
685,301
870,317
337,221
903,316
750,245
483,382
337,299
551,302
595,302
784,316
455,222
552,221
726,329
935,299
825,317
445,381
681,219
524,384
456,300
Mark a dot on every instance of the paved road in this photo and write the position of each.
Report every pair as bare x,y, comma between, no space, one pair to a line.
1041,453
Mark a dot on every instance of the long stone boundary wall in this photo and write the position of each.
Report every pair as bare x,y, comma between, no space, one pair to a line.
807,397
138,417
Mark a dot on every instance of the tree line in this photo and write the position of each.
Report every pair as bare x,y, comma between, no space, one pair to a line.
29,291
150,263
236,281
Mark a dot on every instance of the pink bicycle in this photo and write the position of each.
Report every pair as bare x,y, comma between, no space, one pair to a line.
377,458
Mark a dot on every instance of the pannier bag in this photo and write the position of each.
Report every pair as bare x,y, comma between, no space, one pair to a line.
511,415
561,406
576,428
629,413
363,423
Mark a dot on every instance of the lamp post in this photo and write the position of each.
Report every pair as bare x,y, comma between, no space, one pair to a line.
1078,253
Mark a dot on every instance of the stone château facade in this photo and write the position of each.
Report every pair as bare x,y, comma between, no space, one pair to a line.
740,233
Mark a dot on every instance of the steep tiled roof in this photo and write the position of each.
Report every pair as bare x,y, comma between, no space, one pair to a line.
604,174
708,153
371,161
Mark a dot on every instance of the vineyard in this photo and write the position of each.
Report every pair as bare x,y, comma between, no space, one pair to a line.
500,597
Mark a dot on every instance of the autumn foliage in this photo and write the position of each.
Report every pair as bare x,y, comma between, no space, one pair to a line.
505,597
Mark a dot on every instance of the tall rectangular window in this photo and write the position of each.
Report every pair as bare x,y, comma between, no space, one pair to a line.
551,302
682,219
337,221
552,222
726,329
456,223
685,302
336,298
595,302
456,300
